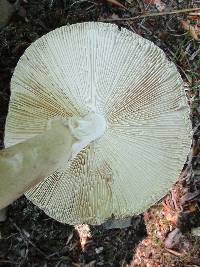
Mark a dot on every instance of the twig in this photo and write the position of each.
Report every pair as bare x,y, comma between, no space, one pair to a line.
154,14
27,240
174,200
178,254
7,261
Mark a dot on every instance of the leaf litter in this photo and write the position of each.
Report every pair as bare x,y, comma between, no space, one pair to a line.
167,234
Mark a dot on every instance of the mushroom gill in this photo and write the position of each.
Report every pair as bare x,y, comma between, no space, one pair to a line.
126,80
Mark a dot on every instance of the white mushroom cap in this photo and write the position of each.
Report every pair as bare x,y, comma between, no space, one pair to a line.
129,83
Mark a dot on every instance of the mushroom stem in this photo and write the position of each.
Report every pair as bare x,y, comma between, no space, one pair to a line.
86,129
24,165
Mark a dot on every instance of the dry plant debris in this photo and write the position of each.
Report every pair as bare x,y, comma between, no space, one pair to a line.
179,211
160,5
192,25
84,234
116,3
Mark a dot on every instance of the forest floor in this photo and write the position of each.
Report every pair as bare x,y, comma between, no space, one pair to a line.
166,235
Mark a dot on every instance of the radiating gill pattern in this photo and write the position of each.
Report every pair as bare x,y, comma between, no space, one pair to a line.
127,79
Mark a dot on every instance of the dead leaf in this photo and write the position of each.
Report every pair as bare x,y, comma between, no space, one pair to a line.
188,197
196,231
6,12
173,239
116,3
193,30
170,216
192,207
90,264
194,17
158,3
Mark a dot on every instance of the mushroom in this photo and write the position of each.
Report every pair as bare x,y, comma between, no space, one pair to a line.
140,140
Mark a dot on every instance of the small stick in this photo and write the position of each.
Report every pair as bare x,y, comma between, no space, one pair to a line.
27,240
174,200
155,14
176,253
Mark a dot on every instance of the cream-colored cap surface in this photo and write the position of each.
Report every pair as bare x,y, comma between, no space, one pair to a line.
130,83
